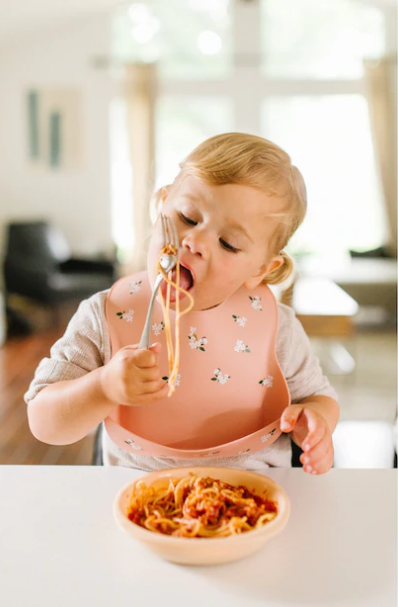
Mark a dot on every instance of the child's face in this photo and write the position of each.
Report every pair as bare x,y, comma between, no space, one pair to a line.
224,234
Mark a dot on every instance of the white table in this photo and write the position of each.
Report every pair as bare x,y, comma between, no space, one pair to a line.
59,546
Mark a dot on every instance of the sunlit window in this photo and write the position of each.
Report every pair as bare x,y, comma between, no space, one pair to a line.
290,70
320,39
190,39
183,123
329,140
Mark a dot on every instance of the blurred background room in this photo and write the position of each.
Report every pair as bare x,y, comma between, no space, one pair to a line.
100,100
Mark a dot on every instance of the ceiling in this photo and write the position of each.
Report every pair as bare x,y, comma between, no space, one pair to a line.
22,17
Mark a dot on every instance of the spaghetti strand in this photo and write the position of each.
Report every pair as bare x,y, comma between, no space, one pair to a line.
199,507
173,352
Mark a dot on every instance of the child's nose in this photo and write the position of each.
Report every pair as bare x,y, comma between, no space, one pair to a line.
195,242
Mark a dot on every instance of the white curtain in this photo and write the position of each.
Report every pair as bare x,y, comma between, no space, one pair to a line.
140,95
381,81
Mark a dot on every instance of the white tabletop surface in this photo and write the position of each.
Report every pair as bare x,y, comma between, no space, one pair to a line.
60,546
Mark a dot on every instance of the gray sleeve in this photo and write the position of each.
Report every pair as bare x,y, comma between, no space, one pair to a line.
300,367
83,347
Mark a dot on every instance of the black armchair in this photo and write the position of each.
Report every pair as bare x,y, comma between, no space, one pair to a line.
38,265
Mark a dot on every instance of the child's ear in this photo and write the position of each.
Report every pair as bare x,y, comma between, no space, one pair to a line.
253,281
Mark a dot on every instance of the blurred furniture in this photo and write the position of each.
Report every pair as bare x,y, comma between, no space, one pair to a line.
326,313
372,282
323,308
38,265
98,458
2,320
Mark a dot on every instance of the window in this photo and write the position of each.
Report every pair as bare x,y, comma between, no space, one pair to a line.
182,124
289,70
328,138
319,39
190,39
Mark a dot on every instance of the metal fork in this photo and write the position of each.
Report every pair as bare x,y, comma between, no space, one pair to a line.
168,261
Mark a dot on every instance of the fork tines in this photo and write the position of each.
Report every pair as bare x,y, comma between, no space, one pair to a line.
169,232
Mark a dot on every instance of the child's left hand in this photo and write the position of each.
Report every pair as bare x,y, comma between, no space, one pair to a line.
311,433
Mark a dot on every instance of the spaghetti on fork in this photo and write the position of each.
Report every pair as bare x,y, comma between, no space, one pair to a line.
170,248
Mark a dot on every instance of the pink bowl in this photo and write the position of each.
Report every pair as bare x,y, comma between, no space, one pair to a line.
205,551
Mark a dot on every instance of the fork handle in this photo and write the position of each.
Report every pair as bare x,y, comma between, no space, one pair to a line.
144,343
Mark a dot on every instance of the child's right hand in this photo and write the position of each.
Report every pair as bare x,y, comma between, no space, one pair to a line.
132,376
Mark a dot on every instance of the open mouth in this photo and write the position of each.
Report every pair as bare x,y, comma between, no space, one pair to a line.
186,283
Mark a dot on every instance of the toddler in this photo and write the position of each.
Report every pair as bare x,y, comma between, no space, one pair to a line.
247,384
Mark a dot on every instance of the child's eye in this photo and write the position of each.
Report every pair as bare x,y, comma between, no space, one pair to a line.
187,220
228,247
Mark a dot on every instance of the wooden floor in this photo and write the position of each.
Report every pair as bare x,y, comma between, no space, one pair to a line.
19,358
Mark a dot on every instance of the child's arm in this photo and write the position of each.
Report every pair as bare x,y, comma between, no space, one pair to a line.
314,414
64,412
311,423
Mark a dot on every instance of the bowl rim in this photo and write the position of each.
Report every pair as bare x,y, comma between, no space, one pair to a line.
276,525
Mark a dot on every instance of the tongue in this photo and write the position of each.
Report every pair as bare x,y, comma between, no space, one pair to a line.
185,278
185,283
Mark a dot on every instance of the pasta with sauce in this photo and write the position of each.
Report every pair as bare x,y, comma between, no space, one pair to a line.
196,507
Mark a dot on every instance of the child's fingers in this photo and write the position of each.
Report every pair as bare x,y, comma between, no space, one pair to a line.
132,355
289,417
151,374
316,429
317,452
156,347
323,464
145,359
156,389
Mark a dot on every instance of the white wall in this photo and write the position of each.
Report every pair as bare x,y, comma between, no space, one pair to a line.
77,202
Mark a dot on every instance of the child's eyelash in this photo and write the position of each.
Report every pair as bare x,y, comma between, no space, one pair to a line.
186,219
228,247
224,243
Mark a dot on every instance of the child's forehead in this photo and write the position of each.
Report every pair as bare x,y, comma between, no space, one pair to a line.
199,190
195,188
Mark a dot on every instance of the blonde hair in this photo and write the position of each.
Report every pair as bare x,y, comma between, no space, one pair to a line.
256,162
